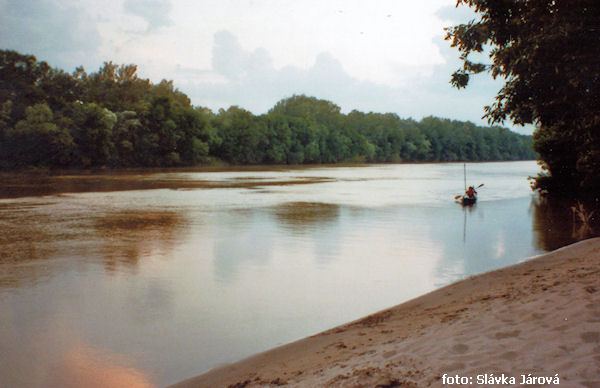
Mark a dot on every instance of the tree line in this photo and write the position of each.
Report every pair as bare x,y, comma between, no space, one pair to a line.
114,118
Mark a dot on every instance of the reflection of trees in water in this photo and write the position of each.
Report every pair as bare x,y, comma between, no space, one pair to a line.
23,185
26,237
317,220
243,236
314,220
300,215
128,236
32,235
249,235
555,226
480,238
28,185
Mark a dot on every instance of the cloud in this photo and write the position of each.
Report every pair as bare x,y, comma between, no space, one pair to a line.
154,12
64,36
231,61
250,80
456,15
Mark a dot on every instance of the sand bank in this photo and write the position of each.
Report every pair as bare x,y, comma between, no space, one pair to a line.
509,327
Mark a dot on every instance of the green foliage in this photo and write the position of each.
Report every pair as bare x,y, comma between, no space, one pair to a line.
243,136
310,108
293,133
113,118
547,51
92,130
114,87
37,140
22,82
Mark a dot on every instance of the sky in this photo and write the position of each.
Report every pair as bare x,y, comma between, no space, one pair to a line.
372,56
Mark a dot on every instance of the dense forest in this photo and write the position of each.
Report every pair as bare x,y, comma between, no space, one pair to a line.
113,118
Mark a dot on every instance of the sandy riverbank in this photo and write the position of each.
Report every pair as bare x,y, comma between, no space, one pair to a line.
539,317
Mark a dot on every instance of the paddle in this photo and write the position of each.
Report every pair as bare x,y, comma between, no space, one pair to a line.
460,195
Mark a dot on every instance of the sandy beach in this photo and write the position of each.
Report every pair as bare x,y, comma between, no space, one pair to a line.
536,323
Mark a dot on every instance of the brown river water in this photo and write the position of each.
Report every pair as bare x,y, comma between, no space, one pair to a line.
142,279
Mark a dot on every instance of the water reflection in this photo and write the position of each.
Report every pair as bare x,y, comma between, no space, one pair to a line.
250,236
37,231
85,366
501,232
467,210
178,281
481,238
43,347
313,221
556,225
24,236
127,236
35,185
242,238
22,185
303,215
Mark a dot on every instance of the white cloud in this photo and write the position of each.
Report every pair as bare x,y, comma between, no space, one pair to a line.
154,12
370,40
249,79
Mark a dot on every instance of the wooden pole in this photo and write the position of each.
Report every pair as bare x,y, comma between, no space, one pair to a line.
465,175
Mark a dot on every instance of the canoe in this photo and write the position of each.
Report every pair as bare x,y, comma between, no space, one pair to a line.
465,201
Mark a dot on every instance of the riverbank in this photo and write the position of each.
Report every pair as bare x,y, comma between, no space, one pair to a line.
535,320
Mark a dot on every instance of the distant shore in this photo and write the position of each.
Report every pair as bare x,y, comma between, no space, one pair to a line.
535,323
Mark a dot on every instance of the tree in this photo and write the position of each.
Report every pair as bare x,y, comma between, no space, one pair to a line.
321,111
58,88
38,141
124,137
279,140
193,144
548,52
117,88
92,132
160,121
114,118
242,135
20,80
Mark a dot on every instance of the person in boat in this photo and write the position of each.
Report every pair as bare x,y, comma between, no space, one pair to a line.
470,193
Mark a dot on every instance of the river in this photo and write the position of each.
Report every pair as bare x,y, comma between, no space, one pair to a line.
141,279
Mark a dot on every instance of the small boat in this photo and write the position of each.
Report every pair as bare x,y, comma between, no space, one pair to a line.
470,196
467,201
